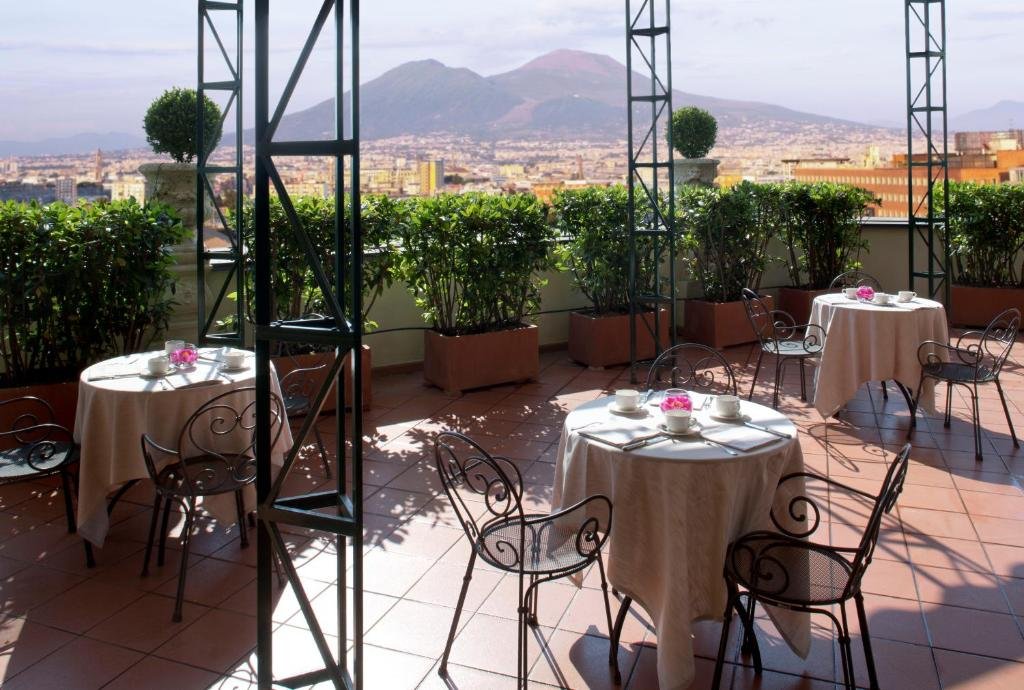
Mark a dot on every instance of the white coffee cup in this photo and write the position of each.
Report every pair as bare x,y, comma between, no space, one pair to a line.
677,421
850,292
882,298
727,406
627,399
906,295
158,365
234,359
171,346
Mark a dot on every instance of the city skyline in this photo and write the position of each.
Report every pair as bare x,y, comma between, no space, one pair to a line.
78,71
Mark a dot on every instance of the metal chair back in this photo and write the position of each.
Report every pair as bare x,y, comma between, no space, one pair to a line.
996,342
763,320
855,279
889,492
33,429
223,433
694,367
466,470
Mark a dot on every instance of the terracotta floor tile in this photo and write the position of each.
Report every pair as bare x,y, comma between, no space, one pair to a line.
892,578
488,643
83,664
393,574
971,672
975,632
211,581
465,678
893,619
415,628
987,482
1006,560
32,586
937,522
83,606
215,641
443,582
993,530
145,624
154,673
24,643
898,664
572,660
554,599
943,552
960,588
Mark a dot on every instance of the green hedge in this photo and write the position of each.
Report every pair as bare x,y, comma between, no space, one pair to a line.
81,283
986,233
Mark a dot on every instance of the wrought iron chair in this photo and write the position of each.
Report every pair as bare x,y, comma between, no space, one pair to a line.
298,389
787,569
855,279
693,366
971,365
538,548
778,334
215,455
35,446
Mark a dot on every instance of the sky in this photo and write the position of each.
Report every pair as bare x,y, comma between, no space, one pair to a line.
68,67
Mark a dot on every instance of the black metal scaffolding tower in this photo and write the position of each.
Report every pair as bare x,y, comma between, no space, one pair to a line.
338,513
651,175
207,202
929,168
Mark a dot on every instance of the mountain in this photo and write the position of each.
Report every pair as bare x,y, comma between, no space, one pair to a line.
565,92
1003,115
76,144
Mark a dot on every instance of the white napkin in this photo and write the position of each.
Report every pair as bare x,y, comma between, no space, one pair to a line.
737,436
115,370
202,374
618,434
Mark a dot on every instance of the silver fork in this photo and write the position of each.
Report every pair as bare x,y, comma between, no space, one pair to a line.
727,449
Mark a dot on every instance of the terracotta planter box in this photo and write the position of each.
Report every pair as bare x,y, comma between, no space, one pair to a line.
284,365
63,397
601,341
797,302
977,306
719,324
463,362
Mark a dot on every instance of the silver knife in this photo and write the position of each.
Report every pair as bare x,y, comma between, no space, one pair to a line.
759,427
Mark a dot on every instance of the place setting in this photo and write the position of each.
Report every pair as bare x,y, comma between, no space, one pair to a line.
179,365
635,420
865,294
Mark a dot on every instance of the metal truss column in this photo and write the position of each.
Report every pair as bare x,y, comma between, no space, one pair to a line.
230,258
651,172
927,118
336,514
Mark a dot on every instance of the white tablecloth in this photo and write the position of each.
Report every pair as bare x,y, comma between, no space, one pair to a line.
113,414
677,505
865,342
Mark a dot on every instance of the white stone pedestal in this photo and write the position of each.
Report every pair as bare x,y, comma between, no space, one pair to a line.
702,171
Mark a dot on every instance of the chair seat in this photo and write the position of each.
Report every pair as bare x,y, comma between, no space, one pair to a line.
775,569
14,463
296,405
549,548
210,475
792,348
958,372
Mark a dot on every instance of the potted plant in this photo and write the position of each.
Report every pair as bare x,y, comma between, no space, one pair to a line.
821,228
986,239
170,126
726,238
78,284
595,250
472,263
693,133
294,291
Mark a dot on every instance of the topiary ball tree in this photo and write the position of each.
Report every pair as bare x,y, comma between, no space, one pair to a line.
170,124
694,131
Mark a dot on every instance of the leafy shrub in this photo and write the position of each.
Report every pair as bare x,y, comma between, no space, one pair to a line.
822,230
593,223
170,124
726,233
294,291
471,260
81,283
694,131
986,233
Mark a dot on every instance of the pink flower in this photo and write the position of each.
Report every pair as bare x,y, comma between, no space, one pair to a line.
184,357
677,402
865,292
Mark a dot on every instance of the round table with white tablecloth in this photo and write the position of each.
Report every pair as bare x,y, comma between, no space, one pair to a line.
678,503
117,404
868,342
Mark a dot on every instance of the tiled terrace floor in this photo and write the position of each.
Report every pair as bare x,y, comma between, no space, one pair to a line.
945,593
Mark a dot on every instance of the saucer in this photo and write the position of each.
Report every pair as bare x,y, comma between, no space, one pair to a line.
728,418
636,411
694,428
229,369
147,374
